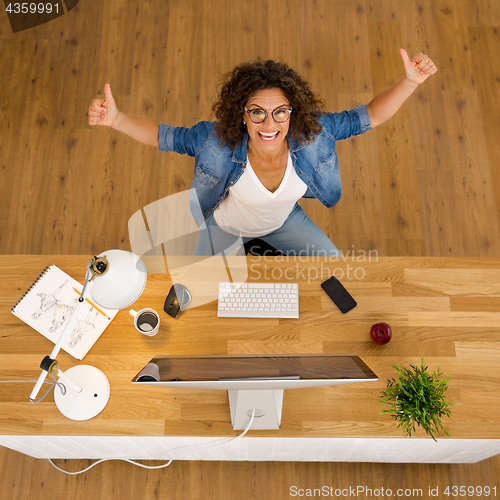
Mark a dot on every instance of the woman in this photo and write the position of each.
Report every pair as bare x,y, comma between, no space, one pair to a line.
271,145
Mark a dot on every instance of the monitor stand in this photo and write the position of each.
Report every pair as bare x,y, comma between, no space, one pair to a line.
267,403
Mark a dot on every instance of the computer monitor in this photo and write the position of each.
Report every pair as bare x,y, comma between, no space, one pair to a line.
255,381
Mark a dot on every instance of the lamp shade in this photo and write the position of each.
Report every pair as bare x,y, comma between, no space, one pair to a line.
123,283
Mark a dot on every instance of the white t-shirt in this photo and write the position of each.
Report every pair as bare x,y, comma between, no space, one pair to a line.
252,210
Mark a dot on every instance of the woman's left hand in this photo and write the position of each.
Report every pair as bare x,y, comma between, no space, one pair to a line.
419,68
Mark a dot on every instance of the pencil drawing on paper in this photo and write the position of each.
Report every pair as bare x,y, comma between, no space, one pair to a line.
63,312
47,301
83,326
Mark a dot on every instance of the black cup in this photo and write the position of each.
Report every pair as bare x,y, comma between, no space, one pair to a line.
147,321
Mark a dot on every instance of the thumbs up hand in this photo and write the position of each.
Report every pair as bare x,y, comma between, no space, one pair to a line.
103,111
419,68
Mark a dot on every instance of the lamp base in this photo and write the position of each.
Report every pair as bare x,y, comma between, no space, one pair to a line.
93,398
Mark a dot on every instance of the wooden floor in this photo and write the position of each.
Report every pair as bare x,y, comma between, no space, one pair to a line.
235,480
425,183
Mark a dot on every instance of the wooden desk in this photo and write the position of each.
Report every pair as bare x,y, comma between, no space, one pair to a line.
444,309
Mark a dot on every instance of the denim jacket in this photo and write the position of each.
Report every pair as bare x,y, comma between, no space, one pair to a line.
217,167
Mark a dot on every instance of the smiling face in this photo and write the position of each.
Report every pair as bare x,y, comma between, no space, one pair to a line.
268,137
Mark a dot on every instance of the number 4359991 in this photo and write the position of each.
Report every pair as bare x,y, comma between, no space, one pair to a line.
32,8
470,491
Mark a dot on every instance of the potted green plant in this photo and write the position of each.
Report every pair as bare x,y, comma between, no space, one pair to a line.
417,399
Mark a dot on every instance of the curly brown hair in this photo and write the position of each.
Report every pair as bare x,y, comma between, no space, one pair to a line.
239,85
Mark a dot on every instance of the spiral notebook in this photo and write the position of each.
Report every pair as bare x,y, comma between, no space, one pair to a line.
48,304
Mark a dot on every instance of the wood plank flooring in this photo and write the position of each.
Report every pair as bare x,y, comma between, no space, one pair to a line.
425,183
234,480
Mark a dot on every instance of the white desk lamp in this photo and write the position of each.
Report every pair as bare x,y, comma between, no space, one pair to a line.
117,279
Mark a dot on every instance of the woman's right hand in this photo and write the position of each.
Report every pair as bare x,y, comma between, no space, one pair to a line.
103,111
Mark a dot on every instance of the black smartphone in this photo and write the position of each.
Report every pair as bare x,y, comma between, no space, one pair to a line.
339,295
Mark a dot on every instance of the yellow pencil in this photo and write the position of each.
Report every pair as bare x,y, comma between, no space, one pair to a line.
92,304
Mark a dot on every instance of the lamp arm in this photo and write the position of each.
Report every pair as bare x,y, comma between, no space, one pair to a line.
38,385
67,328
62,376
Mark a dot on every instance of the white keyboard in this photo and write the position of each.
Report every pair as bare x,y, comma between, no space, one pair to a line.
258,300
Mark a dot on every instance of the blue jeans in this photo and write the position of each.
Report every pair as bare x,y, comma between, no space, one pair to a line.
298,236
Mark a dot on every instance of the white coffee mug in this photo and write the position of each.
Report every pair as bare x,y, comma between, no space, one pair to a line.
146,321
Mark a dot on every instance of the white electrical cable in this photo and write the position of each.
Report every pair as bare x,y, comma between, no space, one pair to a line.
56,382
63,389
151,467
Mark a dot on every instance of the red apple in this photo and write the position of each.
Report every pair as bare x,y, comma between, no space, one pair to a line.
381,333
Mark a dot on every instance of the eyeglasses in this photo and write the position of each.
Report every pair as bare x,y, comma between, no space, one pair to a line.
259,115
